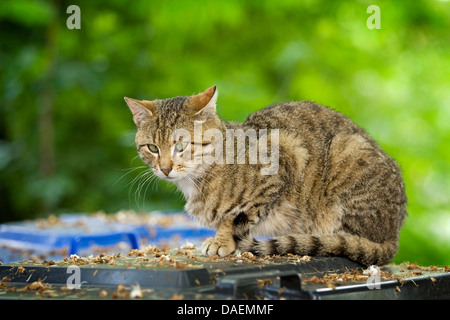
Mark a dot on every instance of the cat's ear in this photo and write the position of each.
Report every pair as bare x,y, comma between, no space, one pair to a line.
205,102
141,109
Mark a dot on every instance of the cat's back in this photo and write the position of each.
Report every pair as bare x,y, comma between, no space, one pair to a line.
303,116
316,125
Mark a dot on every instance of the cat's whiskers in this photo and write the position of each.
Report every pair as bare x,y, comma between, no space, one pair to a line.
192,180
178,191
129,170
136,179
150,181
141,179
197,177
201,173
148,177
133,159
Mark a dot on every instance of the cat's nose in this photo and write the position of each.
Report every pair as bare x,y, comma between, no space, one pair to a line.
166,171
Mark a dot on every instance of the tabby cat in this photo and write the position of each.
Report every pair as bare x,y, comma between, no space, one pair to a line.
335,192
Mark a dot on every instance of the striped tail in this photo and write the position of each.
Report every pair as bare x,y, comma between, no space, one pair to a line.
353,247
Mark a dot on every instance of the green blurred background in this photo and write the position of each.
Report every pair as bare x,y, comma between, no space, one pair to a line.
66,134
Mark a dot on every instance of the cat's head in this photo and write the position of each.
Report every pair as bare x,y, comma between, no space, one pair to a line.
165,132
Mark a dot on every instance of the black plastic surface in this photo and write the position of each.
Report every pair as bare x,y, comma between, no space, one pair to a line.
277,278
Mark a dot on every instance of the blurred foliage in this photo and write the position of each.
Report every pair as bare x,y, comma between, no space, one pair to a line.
66,135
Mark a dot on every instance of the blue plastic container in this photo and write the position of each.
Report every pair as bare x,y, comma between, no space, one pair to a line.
82,233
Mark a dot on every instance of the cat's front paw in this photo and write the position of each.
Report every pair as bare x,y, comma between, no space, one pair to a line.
221,247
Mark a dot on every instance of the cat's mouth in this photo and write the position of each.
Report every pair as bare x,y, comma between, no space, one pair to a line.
164,177
172,176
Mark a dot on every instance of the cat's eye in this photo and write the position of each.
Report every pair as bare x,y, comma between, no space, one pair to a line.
179,147
153,148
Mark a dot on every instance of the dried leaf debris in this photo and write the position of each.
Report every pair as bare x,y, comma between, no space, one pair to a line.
188,257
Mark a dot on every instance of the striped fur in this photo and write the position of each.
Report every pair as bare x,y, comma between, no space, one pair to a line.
336,192
356,248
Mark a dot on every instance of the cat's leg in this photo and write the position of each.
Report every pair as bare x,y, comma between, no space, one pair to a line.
230,232
223,244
